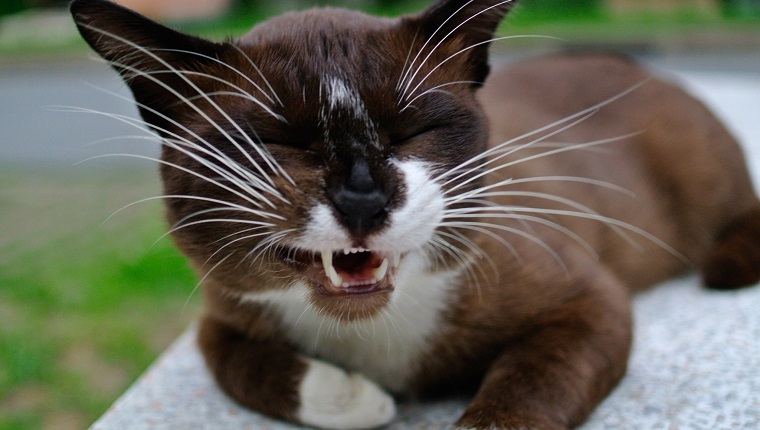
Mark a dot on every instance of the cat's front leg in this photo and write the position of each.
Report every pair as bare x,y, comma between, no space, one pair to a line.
553,376
267,375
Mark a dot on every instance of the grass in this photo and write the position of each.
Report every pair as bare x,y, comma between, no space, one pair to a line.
86,305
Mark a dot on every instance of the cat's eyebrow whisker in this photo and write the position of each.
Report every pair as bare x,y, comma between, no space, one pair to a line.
258,70
271,163
406,77
241,92
436,89
408,93
205,116
410,81
230,67
406,64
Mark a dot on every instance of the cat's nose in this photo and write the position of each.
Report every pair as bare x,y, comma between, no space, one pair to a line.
361,201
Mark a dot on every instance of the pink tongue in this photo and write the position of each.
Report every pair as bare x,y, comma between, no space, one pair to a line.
357,268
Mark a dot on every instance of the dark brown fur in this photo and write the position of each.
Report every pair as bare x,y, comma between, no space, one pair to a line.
540,340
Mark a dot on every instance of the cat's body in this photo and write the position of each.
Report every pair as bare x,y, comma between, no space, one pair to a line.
367,234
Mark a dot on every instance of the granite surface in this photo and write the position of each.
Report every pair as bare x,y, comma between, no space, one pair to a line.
695,363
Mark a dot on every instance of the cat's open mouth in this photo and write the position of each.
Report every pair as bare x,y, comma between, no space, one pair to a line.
350,271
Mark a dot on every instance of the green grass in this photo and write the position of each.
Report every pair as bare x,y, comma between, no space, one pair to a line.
86,306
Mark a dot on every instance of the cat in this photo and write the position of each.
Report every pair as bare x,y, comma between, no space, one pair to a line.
374,214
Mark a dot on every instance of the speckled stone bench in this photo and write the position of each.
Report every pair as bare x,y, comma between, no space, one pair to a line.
695,363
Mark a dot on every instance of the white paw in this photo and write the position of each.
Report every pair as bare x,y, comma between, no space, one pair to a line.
333,399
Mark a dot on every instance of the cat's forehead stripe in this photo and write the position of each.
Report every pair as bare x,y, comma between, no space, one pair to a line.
343,96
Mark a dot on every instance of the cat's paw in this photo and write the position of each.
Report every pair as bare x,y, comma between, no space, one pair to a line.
333,399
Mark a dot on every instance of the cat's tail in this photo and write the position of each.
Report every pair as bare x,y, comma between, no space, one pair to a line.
734,260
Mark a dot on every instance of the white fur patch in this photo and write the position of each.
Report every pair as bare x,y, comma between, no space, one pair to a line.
412,225
342,96
332,399
323,231
387,348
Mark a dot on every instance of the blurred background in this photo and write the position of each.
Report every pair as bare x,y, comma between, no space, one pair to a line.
89,300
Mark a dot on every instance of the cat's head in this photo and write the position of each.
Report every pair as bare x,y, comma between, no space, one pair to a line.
321,152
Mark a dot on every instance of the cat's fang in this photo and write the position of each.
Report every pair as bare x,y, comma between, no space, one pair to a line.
330,271
381,271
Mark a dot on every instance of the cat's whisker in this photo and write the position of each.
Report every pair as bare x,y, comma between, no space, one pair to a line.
583,114
508,213
550,153
608,221
229,205
237,233
267,245
482,227
464,261
205,276
215,220
473,247
191,172
214,152
503,150
211,151
239,239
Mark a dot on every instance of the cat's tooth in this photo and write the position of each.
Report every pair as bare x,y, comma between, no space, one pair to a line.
330,271
381,271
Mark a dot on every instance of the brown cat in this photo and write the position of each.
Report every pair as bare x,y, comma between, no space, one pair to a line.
371,213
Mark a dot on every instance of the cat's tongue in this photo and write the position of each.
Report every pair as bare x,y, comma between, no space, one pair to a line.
354,269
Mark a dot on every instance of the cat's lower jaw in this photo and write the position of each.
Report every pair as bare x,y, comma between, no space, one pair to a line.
333,399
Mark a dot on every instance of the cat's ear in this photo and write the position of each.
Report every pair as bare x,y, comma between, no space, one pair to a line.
153,60
467,25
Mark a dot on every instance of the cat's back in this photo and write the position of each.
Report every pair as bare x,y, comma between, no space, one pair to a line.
607,118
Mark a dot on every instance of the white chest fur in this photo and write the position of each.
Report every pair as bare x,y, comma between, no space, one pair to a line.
386,348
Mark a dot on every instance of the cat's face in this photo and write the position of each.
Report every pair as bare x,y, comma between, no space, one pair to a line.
320,152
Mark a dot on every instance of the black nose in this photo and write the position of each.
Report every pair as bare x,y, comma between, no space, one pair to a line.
361,200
